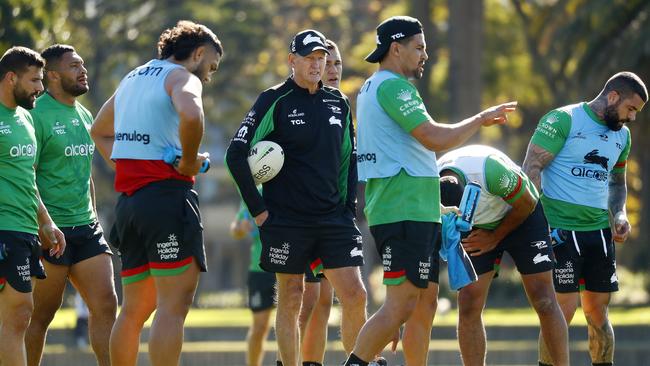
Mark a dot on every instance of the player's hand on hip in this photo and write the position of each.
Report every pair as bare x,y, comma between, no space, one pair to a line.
622,228
261,218
479,242
497,114
189,167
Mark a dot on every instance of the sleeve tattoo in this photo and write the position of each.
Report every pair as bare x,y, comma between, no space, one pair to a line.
617,192
537,158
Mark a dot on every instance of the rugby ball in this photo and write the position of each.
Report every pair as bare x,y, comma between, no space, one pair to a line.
265,159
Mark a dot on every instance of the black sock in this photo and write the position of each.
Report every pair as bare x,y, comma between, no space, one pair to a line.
353,360
278,363
544,364
603,364
311,363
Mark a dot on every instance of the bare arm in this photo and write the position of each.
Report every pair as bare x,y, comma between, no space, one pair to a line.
482,241
92,195
103,130
437,136
617,198
49,234
185,90
537,158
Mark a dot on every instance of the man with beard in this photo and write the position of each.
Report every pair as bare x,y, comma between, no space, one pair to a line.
63,177
577,156
22,215
396,157
158,108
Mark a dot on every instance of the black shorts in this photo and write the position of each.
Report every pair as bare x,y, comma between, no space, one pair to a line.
288,248
21,262
586,260
261,290
314,271
158,231
81,242
407,251
529,245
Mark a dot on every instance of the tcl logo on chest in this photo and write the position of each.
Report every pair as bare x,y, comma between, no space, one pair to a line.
296,122
22,150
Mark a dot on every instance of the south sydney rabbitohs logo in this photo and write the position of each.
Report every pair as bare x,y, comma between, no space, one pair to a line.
592,157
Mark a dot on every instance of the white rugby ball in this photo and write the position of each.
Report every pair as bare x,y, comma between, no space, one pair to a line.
265,159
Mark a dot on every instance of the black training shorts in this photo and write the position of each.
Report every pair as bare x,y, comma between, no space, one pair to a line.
158,231
81,242
21,262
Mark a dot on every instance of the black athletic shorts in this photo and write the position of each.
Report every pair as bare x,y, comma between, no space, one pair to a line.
81,242
22,260
407,251
289,248
529,245
261,290
158,231
586,261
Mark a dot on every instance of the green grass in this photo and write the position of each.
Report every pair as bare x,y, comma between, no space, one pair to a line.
241,317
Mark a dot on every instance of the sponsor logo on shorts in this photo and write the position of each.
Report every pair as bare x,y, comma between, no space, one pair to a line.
424,268
168,249
386,258
279,255
355,252
565,275
24,271
539,258
256,299
540,244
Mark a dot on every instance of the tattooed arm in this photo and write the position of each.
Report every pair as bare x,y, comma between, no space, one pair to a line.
617,198
537,158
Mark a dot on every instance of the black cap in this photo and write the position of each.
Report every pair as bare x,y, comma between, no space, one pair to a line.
308,41
390,30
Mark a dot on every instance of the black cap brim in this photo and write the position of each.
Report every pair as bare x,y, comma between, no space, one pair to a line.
306,51
376,55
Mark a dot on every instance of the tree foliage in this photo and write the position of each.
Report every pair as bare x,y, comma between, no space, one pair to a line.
543,53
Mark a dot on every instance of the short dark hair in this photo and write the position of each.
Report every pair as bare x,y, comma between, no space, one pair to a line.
54,53
331,45
451,191
181,40
626,83
17,59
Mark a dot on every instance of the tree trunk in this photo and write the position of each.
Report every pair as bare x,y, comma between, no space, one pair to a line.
465,46
423,10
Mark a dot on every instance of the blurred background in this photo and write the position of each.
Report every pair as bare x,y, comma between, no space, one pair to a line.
542,53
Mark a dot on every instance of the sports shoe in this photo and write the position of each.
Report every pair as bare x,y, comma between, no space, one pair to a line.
379,361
